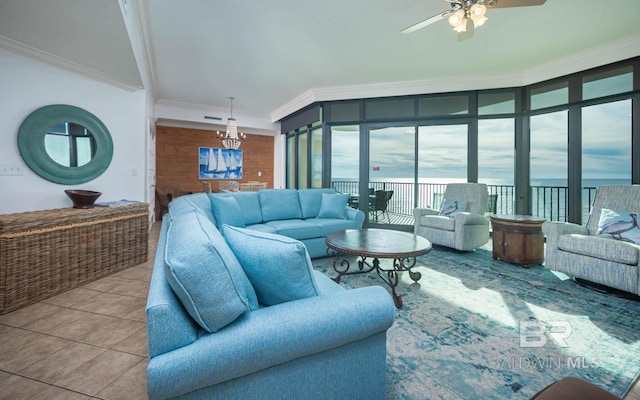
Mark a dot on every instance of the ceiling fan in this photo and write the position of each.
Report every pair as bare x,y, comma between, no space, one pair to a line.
466,15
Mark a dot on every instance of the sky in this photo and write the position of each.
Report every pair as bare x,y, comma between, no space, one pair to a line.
606,144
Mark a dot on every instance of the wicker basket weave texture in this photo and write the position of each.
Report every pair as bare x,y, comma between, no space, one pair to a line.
44,253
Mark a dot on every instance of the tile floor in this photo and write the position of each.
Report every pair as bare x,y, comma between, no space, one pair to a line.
87,343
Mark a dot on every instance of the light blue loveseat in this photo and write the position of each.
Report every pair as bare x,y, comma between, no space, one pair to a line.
287,212
328,345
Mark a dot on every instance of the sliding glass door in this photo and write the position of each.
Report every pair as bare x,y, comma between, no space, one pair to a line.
391,170
442,159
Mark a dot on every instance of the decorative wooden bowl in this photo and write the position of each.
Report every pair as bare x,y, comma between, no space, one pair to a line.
82,198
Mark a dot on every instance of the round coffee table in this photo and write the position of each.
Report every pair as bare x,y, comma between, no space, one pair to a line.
402,247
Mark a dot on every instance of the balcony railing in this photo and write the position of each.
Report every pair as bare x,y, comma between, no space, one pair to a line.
549,202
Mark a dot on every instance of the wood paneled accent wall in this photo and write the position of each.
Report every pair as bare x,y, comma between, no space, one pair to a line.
177,159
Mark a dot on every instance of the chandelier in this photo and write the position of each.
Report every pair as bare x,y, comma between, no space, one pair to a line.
467,10
231,140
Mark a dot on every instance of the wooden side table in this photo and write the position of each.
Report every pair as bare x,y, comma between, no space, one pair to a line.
518,239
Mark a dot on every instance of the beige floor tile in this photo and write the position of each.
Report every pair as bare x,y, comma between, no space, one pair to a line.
99,372
112,304
33,350
140,272
105,284
16,387
30,313
113,333
135,344
50,323
56,393
14,337
139,314
84,326
131,385
62,362
72,297
132,288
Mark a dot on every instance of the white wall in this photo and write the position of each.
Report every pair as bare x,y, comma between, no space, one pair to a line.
27,84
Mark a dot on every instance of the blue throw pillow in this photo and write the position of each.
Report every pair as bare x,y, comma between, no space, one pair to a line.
333,206
279,204
226,210
278,267
619,225
452,207
204,273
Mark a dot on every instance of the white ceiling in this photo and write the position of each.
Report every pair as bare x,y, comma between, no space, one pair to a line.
277,56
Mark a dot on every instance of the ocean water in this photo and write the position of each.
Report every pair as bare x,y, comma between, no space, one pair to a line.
548,196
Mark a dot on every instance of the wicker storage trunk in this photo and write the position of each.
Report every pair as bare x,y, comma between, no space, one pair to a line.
44,253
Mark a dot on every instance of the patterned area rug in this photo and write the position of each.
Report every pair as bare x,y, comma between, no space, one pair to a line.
477,328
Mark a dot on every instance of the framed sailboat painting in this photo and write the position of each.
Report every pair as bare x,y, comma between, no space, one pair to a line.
216,163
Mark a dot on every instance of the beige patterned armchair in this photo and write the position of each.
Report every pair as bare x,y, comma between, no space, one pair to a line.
464,230
609,259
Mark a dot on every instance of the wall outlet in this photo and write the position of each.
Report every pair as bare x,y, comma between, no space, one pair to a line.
11,170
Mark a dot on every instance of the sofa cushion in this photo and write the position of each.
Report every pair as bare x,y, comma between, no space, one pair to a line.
452,207
204,273
328,226
311,199
277,204
296,228
438,222
278,267
600,247
184,204
333,206
619,225
226,210
249,204
262,228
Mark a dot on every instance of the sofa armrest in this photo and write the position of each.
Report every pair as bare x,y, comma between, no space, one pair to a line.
420,212
355,215
553,229
465,218
272,336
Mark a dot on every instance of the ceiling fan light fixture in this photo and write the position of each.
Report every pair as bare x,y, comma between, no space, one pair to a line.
458,21
478,12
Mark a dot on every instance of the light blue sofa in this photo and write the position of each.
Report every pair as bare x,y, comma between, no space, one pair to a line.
327,345
287,212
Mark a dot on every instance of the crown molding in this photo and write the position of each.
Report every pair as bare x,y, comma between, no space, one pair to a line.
391,89
46,57
612,52
193,115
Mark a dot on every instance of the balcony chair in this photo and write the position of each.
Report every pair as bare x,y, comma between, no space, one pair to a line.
464,229
596,253
379,203
492,204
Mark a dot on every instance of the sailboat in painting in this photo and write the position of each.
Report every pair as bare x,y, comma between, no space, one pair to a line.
221,168
211,161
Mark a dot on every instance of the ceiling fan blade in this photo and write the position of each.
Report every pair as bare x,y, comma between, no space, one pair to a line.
468,34
514,3
427,21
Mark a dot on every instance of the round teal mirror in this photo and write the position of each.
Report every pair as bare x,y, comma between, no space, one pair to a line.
65,144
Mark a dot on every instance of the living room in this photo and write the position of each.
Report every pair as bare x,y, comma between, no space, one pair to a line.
114,81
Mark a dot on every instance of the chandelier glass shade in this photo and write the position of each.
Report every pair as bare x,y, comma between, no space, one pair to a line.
476,13
232,140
